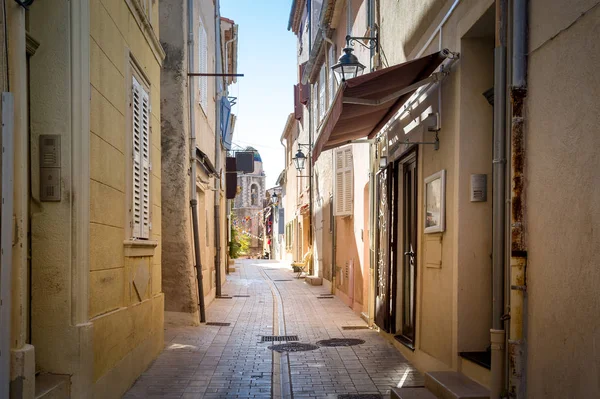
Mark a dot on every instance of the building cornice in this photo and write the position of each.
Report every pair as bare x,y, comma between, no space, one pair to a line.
146,27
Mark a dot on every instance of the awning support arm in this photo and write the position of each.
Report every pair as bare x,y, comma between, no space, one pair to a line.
436,143
435,77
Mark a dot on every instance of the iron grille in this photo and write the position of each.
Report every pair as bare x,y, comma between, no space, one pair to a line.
216,323
278,338
355,327
241,296
360,396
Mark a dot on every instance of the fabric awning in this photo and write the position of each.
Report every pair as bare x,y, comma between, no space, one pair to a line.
363,105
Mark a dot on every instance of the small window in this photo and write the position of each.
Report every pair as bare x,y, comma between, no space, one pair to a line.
332,83
322,93
254,194
344,180
140,209
203,66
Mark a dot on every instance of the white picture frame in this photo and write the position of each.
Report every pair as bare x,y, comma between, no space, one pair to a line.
434,200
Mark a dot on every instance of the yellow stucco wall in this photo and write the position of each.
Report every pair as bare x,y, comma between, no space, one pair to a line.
126,317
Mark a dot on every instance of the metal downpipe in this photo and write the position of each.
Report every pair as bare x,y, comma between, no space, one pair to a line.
193,199
498,207
517,349
217,197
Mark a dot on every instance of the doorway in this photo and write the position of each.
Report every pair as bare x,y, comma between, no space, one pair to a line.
405,280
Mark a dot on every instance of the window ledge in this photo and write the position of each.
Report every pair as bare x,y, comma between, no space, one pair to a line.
139,248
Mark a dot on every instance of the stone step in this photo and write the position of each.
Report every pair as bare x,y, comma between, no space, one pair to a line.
52,386
312,280
453,385
411,393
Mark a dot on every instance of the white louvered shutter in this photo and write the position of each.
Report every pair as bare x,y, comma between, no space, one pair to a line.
322,93
203,66
140,210
344,180
145,162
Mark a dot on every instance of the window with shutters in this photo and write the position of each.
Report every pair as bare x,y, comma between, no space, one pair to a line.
344,181
203,66
140,208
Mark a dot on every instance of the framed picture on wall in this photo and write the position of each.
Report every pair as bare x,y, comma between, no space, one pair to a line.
435,202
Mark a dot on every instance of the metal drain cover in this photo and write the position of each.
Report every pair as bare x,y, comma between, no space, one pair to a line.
283,280
324,297
223,297
360,396
293,347
215,323
241,296
355,327
333,342
278,338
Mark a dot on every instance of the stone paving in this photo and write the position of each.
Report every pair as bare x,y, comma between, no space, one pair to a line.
231,362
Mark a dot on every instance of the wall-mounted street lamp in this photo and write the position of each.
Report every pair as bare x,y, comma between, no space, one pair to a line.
274,199
348,66
300,158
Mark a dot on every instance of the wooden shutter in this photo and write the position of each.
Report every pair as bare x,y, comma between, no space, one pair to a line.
322,93
344,180
203,66
298,111
140,209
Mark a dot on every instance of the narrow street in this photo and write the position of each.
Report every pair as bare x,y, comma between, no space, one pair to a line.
231,361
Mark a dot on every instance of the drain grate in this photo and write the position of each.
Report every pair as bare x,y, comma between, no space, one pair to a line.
293,347
334,342
216,323
278,338
355,327
223,297
324,297
283,280
360,396
241,296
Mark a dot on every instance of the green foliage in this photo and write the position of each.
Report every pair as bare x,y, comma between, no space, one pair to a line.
239,243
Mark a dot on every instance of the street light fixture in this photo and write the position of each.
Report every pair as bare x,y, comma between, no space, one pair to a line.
348,66
299,160
274,199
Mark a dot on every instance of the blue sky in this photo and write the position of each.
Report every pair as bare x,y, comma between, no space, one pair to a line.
267,58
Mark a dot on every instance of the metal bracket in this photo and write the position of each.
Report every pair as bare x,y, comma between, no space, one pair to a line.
373,41
436,143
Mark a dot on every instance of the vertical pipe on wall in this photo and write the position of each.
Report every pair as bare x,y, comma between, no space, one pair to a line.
218,136
518,248
498,206
193,197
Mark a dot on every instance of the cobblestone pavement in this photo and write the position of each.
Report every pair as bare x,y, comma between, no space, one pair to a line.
232,362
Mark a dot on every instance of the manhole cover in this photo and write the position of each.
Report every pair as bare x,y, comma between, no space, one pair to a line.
340,342
241,296
215,323
355,327
324,297
282,280
278,338
293,347
360,396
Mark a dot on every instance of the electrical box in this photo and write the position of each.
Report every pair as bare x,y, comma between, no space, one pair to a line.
478,188
50,167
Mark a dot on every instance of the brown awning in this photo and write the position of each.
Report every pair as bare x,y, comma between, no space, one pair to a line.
363,105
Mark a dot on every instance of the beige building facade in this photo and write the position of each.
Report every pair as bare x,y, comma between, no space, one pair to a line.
87,303
194,141
450,245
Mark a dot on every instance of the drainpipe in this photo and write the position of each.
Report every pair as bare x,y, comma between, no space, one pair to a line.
498,207
518,248
193,199
310,145
218,153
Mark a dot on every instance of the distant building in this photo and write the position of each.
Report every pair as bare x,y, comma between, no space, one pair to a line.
248,204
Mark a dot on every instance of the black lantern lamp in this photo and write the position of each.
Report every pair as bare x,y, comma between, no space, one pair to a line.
274,198
299,160
348,66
